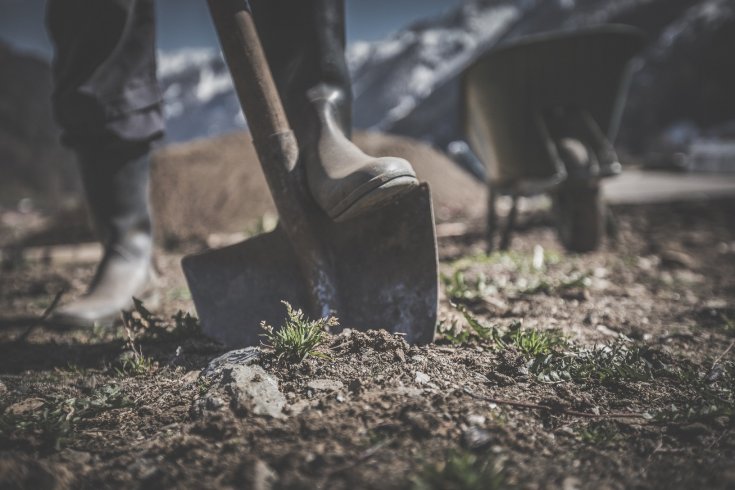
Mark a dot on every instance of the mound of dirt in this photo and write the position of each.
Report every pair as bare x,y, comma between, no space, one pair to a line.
217,186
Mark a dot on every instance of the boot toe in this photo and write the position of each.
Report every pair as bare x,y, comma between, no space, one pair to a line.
84,314
370,187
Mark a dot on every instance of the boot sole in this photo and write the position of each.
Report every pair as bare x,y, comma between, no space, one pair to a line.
371,196
151,299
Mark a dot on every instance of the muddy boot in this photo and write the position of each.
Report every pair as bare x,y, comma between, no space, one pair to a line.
116,182
343,180
304,42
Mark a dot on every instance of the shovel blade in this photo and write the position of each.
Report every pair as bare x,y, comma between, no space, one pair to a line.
385,265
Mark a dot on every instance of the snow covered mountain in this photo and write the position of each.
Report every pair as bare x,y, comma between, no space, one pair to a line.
408,83
199,99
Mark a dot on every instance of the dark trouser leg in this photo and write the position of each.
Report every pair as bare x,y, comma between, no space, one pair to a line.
304,41
107,102
105,87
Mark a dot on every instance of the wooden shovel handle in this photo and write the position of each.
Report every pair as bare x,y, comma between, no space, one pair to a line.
251,74
277,149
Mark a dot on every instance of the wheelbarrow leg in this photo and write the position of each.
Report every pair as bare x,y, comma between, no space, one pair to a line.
492,218
509,225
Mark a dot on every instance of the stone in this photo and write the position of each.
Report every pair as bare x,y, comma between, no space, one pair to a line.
238,357
673,259
26,406
263,476
190,378
571,483
422,378
255,390
251,388
476,438
325,385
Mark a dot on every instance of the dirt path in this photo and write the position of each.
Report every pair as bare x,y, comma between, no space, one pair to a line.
610,370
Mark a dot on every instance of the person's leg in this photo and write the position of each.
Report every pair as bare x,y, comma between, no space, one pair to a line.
107,102
304,42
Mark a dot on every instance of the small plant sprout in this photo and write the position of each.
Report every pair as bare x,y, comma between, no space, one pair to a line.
459,289
298,337
461,470
136,363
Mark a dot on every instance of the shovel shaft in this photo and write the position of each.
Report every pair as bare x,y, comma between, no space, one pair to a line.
249,68
277,148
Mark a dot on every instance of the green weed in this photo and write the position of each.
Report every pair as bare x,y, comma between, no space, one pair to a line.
728,326
543,286
703,410
135,365
203,385
605,364
527,276
530,342
554,358
533,343
180,293
135,323
460,471
53,423
263,224
708,396
513,260
298,337
461,290
599,433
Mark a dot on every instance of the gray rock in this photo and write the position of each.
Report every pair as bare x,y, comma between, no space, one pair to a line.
263,476
476,438
251,388
254,390
325,385
238,357
422,378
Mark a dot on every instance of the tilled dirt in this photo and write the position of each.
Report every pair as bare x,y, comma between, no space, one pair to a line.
609,370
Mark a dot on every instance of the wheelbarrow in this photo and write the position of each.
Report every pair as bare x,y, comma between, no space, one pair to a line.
541,115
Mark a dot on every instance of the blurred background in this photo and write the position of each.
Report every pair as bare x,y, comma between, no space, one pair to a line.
406,59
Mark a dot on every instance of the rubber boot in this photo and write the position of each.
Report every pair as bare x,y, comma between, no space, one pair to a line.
304,43
116,184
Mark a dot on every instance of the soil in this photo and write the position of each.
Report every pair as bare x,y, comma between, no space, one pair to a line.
479,408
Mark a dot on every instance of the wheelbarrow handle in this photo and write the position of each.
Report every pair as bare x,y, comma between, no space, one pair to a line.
248,65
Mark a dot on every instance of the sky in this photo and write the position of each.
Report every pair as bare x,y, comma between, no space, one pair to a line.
185,23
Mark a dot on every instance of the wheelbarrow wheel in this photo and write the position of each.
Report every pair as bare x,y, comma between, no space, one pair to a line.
580,217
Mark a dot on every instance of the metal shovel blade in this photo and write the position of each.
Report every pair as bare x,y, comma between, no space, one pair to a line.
385,265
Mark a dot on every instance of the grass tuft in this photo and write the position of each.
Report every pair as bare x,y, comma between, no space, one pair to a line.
461,290
135,364
531,343
600,433
611,363
298,337
460,471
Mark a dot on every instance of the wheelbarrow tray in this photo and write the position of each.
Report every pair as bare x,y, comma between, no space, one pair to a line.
509,87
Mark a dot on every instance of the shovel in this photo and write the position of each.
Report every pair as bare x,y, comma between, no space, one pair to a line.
378,270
